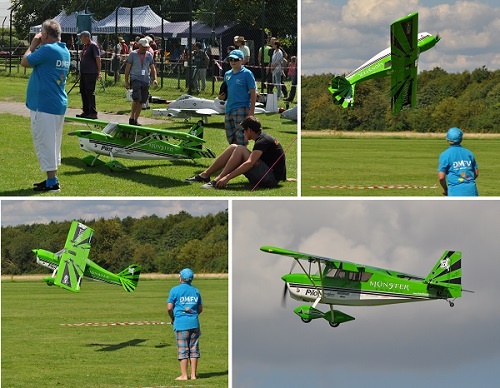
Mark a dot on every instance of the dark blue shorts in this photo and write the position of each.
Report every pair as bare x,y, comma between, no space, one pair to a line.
140,91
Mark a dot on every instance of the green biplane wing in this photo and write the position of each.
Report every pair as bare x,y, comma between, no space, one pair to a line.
346,265
134,129
404,55
74,257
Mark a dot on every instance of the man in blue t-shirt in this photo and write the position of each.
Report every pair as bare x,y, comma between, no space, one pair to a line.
241,96
184,306
457,165
46,99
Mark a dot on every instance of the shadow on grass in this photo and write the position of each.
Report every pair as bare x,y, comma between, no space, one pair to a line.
212,374
133,173
22,192
114,347
162,345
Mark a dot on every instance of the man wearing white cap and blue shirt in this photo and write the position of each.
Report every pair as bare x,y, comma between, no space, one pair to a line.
457,165
46,98
139,69
184,306
241,96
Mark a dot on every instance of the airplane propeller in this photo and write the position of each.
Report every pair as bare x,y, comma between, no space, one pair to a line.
283,298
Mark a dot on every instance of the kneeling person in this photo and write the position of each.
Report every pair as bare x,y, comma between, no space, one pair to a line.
264,165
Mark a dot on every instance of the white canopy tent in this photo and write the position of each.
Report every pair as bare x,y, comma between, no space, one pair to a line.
67,22
143,19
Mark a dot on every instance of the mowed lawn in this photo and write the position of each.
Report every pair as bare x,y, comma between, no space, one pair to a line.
38,351
386,161
20,168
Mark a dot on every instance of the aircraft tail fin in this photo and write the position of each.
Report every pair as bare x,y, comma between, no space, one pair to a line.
447,273
129,277
342,91
196,147
196,130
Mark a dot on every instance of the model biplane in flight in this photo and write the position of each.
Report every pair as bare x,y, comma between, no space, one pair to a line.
71,264
343,283
399,61
137,142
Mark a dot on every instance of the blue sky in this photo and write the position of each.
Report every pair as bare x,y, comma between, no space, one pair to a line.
15,212
410,345
339,35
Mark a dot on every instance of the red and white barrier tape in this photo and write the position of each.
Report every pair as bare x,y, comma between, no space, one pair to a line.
143,323
356,187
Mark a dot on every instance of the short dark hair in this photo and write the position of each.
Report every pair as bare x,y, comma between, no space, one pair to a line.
253,123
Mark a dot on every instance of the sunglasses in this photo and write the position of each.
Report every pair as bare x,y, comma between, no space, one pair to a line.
233,60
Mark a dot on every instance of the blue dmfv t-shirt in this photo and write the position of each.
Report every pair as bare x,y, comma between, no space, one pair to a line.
238,88
186,299
459,164
45,92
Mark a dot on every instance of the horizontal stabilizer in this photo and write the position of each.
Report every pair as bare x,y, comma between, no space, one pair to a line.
129,277
342,91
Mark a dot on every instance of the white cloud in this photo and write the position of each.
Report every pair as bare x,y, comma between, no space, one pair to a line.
15,212
338,38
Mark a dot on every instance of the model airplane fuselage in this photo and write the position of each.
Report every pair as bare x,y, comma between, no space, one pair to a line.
381,65
138,142
71,264
187,106
348,284
399,61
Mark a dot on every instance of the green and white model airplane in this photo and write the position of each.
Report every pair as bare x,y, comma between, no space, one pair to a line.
71,264
344,283
399,61
137,142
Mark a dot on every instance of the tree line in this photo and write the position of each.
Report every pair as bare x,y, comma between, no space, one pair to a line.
159,245
469,100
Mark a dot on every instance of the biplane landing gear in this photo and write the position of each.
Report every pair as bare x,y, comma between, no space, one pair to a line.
334,324
306,320
451,303
115,165
92,161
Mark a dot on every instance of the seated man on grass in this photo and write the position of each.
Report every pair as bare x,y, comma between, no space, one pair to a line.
264,166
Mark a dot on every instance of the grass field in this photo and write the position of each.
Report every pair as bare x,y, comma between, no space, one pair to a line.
37,351
144,178
384,161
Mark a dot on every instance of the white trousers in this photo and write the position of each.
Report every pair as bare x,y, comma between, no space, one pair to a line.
46,130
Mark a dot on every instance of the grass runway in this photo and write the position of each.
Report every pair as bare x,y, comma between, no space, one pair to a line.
38,351
397,166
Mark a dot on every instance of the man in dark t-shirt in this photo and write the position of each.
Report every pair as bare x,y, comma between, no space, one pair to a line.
264,166
90,71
